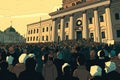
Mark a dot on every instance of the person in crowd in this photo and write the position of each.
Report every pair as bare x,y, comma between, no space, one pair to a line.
96,73
92,61
110,70
30,73
49,69
67,73
12,52
81,71
9,60
21,65
5,74
101,60
59,62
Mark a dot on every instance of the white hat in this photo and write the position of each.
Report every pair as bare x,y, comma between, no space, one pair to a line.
64,65
110,66
31,55
95,70
98,53
9,59
23,58
119,56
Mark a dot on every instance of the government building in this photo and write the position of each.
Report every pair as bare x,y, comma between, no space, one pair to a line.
98,20
10,35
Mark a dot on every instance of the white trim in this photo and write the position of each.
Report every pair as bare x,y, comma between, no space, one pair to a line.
82,9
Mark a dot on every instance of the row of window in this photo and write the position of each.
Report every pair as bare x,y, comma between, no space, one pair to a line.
33,31
66,25
103,34
101,18
43,29
36,38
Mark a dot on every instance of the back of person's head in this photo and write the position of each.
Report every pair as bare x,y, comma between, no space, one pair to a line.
96,71
119,56
101,54
31,55
9,59
3,65
110,66
59,55
81,59
23,57
30,64
66,69
112,53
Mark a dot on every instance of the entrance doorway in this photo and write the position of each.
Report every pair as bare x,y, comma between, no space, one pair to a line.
79,35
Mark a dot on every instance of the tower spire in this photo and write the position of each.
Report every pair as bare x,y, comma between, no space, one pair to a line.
11,23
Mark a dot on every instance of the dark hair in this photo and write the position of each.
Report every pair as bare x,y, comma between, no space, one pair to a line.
81,59
30,63
102,54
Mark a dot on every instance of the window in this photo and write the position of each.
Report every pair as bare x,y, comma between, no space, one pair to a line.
73,4
30,38
117,16
51,28
34,30
103,34
66,37
31,31
90,20
92,36
58,26
37,30
58,38
28,32
67,25
43,29
46,38
34,38
37,38
118,33
101,19
42,38
47,29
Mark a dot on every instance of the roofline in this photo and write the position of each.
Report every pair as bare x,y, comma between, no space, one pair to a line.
75,7
39,21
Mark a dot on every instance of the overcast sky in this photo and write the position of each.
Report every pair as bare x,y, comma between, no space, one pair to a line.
23,12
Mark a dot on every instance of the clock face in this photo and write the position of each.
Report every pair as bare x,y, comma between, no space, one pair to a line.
79,23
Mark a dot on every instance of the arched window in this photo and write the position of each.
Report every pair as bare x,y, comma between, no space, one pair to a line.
37,30
34,30
73,4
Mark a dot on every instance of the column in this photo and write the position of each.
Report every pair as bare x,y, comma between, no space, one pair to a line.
62,28
97,26
109,23
53,31
71,28
85,28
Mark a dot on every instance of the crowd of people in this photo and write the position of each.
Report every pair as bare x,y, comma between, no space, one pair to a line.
66,60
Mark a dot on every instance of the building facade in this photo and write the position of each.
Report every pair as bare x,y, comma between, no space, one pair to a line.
10,35
97,20
39,31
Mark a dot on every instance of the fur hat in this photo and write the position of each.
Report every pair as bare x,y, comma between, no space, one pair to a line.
101,54
31,55
9,59
64,65
110,66
96,70
119,56
23,58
